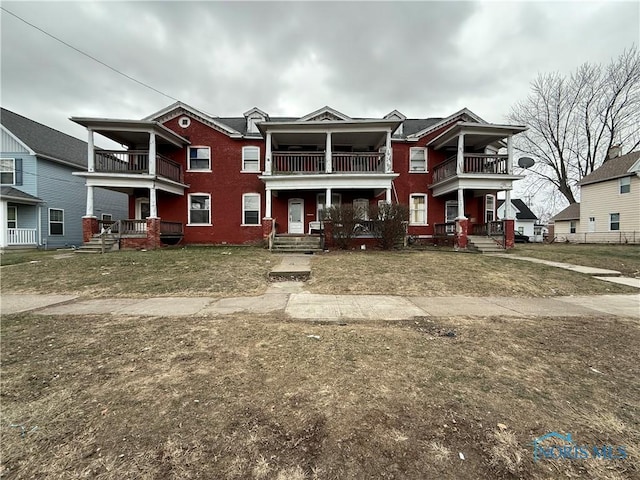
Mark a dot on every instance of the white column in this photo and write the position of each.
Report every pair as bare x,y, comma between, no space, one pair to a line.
388,168
91,158
460,156
507,204
387,195
510,155
89,212
153,203
152,155
461,204
267,159
4,215
327,199
267,203
327,156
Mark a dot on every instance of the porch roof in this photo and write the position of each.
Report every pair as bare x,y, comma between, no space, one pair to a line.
18,196
480,134
131,132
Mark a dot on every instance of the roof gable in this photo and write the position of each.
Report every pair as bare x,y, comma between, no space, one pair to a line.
45,141
614,168
324,113
178,108
572,212
523,212
395,114
464,115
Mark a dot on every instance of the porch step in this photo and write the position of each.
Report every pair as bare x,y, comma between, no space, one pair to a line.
95,245
479,244
297,244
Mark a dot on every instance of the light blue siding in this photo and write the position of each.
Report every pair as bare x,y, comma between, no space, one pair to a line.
9,144
59,189
29,172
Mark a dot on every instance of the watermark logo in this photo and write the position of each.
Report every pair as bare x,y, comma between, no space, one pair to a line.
555,446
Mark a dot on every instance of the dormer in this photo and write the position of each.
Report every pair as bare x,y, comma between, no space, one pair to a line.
254,116
396,115
325,114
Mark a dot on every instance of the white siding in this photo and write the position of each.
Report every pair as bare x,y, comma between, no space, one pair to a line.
598,200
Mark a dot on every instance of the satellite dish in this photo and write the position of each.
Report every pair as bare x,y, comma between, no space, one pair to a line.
526,162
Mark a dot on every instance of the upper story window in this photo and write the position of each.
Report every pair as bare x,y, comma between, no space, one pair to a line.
184,122
199,158
625,184
200,209
418,209
250,159
7,171
418,159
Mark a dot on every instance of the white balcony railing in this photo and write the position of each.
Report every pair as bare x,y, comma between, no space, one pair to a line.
21,236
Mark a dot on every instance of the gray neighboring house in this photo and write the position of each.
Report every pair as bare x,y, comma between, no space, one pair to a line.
41,202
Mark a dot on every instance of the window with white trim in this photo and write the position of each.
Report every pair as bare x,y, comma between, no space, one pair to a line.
614,221
490,208
56,221
184,122
12,217
199,158
361,208
107,217
625,184
7,171
418,209
251,209
199,209
417,159
250,159
573,226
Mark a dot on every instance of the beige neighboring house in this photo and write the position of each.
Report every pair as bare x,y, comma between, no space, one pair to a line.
609,208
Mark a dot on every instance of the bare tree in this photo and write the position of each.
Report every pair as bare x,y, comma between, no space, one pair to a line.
574,121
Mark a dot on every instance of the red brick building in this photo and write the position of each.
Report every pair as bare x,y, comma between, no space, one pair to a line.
213,180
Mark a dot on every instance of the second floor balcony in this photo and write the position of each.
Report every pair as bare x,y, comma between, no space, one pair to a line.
309,163
474,163
137,162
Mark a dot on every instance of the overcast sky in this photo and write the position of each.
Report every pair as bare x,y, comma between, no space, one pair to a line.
425,59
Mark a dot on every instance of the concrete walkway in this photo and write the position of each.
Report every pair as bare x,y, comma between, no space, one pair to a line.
289,298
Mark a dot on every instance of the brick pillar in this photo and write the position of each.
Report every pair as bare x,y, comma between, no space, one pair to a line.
462,229
89,228
509,240
153,233
267,227
328,235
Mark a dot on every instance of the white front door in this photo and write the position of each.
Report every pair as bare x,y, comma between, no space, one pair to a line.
592,224
296,215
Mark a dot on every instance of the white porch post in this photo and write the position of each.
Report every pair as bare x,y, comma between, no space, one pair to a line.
91,158
507,204
461,204
328,157
153,203
267,203
387,195
89,212
510,155
152,155
327,199
388,168
267,162
4,215
460,158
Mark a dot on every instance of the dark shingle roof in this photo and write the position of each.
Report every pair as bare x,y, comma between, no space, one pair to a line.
45,140
15,194
613,168
524,212
572,212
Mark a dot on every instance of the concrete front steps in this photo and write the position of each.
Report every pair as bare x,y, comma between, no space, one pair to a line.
297,244
480,244
95,244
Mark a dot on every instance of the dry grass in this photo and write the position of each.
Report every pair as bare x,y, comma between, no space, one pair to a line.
206,271
255,398
624,258
446,273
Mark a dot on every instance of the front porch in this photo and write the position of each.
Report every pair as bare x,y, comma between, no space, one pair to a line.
101,236
19,219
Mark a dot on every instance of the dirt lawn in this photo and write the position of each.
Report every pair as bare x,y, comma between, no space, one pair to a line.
249,397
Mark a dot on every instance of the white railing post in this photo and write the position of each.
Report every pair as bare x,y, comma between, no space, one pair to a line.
91,157
328,155
327,200
388,168
460,156
507,205
267,156
510,155
461,204
89,212
267,203
153,204
152,155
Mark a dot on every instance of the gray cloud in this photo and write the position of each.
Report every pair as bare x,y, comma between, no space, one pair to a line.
423,58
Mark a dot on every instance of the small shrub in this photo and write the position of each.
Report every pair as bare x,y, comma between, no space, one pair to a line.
391,227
